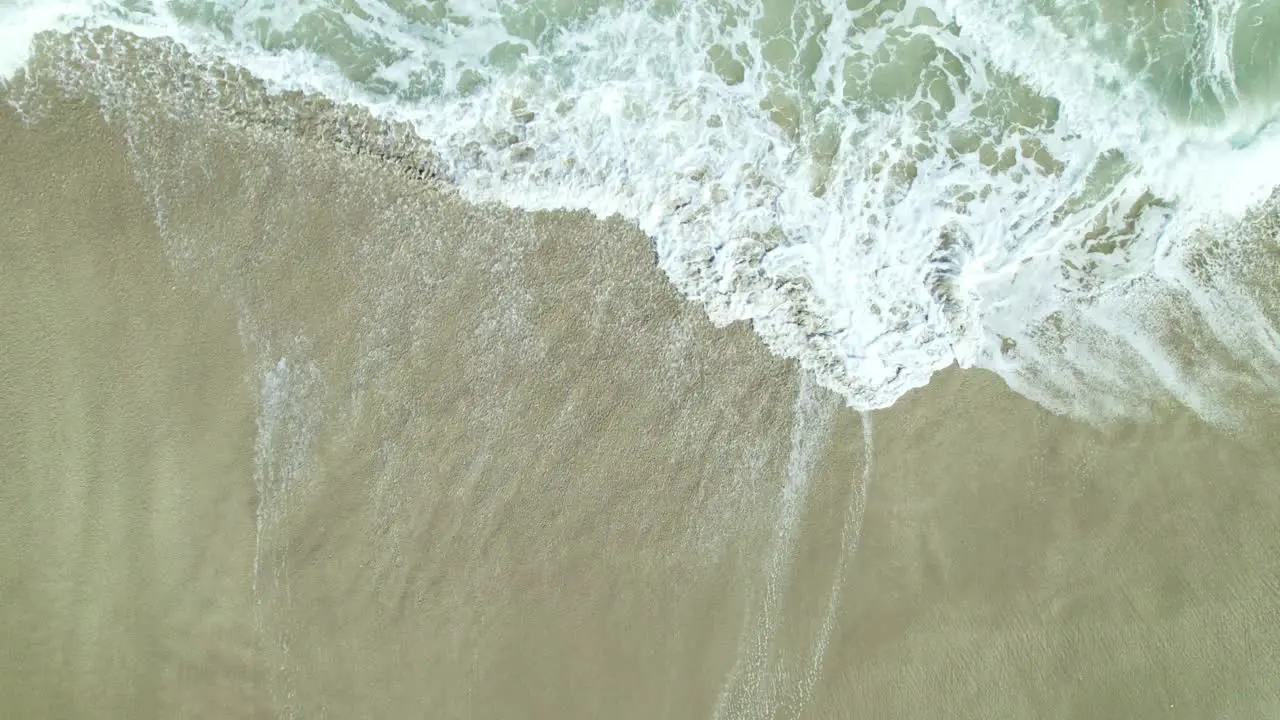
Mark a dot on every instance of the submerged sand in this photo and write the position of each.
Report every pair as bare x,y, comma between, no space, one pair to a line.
289,433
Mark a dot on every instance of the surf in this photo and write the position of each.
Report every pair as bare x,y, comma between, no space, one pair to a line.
882,189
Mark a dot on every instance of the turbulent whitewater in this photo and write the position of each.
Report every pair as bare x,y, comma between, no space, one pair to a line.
1046,188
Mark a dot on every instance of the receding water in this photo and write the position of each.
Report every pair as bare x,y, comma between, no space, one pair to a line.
305,414
291,429
883,188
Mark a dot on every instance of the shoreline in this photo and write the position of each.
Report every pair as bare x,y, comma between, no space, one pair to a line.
299,435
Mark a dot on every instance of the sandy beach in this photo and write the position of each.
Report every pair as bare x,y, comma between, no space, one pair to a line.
292,433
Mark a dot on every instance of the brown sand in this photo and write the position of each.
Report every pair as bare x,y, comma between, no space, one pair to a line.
288,435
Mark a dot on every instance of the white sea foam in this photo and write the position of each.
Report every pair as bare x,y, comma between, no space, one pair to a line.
24,19
882,189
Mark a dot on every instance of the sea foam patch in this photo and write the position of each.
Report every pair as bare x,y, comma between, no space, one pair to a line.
882,189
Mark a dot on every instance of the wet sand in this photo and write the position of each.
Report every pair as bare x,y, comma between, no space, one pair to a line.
292,434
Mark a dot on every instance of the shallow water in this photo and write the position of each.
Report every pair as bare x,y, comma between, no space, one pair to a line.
295,432
883,188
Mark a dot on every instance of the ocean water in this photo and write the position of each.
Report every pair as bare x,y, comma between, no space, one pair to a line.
1077,195
293,432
